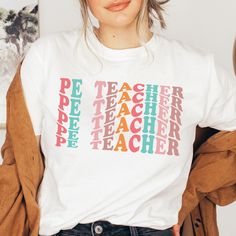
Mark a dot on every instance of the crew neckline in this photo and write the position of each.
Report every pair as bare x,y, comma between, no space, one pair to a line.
119,54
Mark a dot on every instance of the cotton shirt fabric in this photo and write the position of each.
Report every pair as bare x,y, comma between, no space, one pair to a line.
117,126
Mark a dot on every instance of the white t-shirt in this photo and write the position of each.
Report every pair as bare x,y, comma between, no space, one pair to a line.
117,128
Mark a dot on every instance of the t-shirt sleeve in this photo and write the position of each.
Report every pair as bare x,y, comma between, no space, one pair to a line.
220,105
32,84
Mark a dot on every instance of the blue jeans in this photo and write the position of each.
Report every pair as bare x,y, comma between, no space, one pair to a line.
105,228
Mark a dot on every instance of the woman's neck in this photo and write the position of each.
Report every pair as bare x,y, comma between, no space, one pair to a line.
122,37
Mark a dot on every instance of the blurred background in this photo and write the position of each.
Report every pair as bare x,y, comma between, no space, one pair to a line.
209,25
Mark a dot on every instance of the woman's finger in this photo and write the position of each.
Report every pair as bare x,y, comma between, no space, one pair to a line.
176,230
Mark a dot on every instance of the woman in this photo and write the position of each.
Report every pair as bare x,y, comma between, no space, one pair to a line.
115,110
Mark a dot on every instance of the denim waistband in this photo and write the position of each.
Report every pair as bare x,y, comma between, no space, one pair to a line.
106,228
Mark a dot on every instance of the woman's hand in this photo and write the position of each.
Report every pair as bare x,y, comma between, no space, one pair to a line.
176,230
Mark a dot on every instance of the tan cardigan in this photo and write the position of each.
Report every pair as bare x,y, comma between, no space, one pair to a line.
212,179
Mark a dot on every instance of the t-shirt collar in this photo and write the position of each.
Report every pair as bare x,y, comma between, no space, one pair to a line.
118,54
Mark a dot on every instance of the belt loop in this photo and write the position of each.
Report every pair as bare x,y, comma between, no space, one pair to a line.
133,231
92,228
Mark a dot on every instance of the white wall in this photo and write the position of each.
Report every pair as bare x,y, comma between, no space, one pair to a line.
16,4
210,25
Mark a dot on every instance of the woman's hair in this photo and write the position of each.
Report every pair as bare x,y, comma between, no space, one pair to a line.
155,9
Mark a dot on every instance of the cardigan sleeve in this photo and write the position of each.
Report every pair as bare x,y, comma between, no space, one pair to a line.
216,158
12,206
